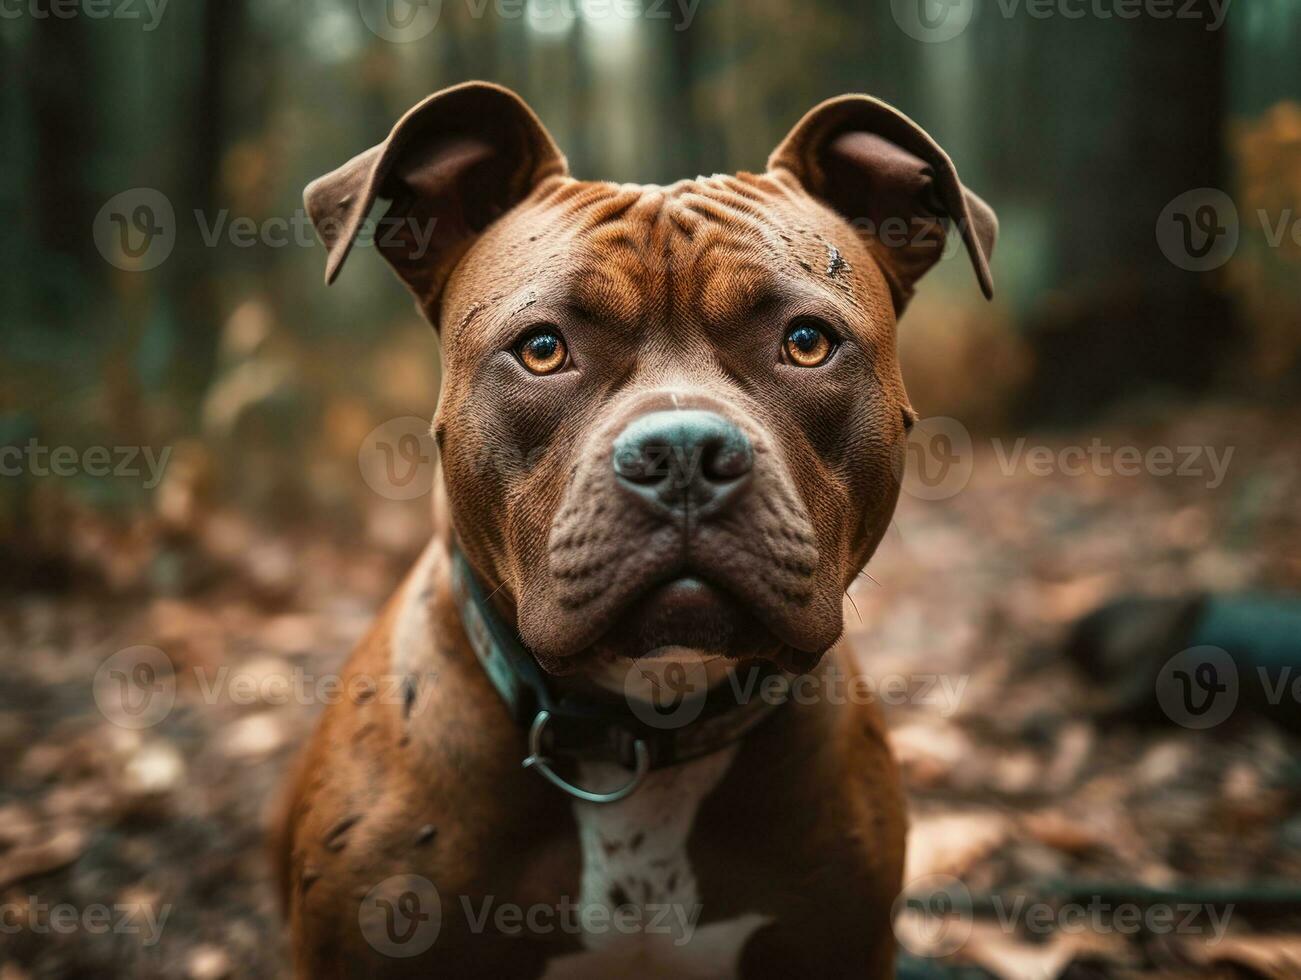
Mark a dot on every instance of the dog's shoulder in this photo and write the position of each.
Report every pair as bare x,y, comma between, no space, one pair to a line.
414,764
338,776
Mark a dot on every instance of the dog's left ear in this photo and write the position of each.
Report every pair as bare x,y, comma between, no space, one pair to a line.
450,166
887,177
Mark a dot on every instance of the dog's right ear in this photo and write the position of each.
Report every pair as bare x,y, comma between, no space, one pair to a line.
450,166
888,177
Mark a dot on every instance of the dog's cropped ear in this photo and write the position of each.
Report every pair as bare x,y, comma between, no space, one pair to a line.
450,166
887,177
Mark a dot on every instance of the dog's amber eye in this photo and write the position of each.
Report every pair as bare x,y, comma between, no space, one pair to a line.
543,351
807,344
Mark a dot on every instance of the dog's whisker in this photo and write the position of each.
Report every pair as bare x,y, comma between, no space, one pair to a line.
854,604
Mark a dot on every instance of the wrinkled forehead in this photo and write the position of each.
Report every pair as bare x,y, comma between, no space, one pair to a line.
710,250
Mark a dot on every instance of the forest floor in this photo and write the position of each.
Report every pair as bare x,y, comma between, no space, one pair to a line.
137,851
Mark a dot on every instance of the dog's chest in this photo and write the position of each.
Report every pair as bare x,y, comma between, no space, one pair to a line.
637,873
635,851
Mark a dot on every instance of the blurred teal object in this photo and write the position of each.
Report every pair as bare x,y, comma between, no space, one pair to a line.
915,968
1260,631
1150,656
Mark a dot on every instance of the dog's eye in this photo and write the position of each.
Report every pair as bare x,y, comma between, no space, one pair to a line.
808,342
543,351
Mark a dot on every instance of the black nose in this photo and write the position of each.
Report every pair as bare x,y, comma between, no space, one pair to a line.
683,462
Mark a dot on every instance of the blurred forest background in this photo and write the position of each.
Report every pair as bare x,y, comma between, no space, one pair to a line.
263,382
263,548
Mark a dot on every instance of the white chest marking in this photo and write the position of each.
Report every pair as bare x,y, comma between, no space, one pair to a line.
635,859
635,850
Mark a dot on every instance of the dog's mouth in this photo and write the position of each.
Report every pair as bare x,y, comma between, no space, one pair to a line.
736,591
689,611
686,611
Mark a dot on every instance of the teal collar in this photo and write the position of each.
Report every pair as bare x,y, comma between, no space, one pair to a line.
567,724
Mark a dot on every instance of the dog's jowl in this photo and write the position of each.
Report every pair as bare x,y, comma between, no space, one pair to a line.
671,433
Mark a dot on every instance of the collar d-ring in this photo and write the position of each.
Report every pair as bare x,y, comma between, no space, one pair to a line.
536,760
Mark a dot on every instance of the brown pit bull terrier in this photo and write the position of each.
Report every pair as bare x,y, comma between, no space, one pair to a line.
671,434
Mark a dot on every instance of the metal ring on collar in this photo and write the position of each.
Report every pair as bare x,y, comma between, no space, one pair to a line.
542,764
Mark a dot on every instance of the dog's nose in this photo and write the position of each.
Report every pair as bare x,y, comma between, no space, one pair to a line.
683,461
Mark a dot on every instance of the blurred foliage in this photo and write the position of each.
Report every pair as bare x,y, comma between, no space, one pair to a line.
264,382
261,385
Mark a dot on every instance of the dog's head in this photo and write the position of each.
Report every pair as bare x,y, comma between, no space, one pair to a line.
672,417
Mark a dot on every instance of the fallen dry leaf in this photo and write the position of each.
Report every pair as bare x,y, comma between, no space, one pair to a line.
1274,957
951,843
59,850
